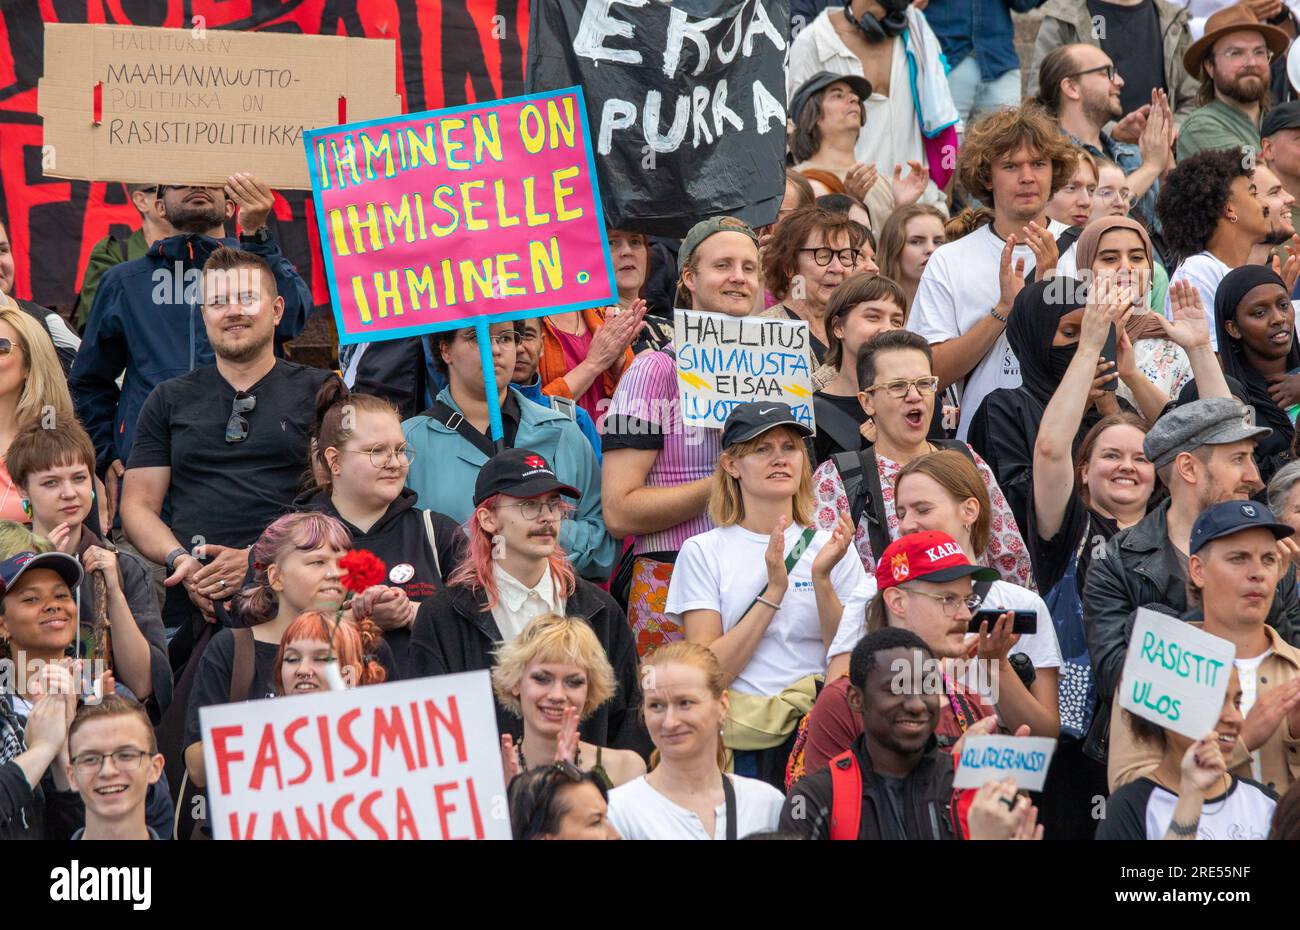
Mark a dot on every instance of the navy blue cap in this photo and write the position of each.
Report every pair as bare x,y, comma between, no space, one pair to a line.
12,568
1233,517
753,419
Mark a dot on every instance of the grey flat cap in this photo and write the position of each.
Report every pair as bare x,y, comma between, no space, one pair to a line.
1211,421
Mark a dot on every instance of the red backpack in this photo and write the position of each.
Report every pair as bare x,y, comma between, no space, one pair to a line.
846,799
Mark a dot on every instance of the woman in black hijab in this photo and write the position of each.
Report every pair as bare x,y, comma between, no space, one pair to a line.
1043,332
1255,323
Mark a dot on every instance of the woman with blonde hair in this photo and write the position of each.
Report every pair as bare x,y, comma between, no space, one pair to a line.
32,387
687,795
765,589
554,675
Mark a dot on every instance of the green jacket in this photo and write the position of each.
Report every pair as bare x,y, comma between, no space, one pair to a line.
1067,21
106,253
1217,126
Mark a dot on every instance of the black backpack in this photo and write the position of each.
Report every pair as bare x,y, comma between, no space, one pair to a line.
861,480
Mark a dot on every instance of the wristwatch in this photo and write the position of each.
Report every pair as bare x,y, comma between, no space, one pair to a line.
259,236
173,556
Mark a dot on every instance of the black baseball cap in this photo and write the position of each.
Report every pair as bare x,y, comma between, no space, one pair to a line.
1233,517
822,80
1283,116
12,568
519,473
752,419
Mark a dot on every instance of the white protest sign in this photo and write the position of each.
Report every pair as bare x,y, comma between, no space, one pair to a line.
1175,675
414,759
723,361
990,758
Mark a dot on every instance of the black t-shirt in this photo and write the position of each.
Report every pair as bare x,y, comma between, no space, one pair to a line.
212,680
1051,557
1132,40
228,492
824,444
818,347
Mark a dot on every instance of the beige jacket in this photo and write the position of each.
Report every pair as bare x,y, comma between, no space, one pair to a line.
1279,757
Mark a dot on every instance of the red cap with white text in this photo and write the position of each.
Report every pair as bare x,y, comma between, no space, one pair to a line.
929,556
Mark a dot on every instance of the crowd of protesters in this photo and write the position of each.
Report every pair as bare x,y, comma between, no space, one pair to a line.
1056,371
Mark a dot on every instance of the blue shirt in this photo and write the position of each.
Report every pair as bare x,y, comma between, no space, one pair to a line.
958,22
534,393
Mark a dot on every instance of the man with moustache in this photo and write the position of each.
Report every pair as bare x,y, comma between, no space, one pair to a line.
1203,451
1232,63
225,445
147,319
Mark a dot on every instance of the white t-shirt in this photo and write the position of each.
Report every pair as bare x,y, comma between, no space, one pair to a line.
1205,272
1041,647
958,288
639,812
724,568
1248,675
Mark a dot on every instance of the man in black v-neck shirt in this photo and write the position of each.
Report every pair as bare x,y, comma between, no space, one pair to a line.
226,445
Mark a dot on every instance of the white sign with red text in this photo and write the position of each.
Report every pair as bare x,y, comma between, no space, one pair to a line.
414,759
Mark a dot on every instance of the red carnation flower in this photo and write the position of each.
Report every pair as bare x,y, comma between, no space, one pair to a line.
362,570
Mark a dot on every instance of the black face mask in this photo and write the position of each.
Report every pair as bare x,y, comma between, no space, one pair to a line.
877,30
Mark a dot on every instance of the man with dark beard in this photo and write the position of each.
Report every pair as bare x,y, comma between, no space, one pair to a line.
1232,63
225,445
146,319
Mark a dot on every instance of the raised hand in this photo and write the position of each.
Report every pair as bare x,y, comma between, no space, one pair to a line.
620,330
996,643
566,744
1203,764
860,179
1156,140
510,759
1129,129
1011,276
836,546
1190,328
1268,712
908,190
777,578
253,198
1043,244
1290,271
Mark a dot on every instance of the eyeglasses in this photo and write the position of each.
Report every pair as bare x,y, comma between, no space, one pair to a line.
1107,194
379,457
950,602
237,426
510,337
848,257
532,509
900,388
1237,55
126,760
1108,69
6,345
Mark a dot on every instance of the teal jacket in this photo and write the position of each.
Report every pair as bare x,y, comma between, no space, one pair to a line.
446,466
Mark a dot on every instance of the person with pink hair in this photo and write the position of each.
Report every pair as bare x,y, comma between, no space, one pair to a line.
515,570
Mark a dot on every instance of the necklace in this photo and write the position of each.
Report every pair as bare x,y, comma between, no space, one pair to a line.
523,763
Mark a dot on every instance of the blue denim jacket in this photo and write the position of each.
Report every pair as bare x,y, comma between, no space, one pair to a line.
1129,158
958,22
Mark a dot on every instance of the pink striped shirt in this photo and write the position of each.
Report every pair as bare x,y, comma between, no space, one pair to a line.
644,413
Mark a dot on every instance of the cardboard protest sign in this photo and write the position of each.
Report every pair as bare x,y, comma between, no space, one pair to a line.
1175,675
687,102
122,103
990,758
414,759
724,360
447,219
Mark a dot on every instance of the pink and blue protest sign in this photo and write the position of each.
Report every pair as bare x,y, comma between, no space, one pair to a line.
460,217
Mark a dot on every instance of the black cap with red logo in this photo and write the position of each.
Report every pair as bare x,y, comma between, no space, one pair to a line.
519,473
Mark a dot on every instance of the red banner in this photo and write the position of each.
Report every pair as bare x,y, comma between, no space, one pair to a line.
451,52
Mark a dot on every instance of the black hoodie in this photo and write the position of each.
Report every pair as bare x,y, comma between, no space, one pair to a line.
400,538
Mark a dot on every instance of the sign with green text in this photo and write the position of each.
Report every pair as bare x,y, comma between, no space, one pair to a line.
1175,675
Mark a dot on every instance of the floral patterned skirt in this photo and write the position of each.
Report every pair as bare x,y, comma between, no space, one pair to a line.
647,598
